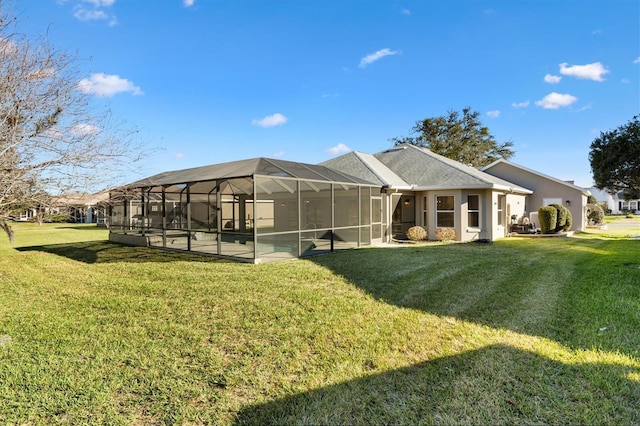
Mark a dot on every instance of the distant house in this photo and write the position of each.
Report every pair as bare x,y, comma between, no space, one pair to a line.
83,207
616,202
77,207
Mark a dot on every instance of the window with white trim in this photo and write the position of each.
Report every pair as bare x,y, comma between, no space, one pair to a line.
445,211
473,211
502,202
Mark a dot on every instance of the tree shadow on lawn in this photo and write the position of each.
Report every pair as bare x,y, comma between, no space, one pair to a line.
581,292
108,252
495,384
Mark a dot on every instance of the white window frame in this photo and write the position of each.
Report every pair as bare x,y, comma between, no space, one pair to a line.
478,211
446,211
502,205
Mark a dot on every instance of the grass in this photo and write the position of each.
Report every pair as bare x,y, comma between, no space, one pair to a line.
520,331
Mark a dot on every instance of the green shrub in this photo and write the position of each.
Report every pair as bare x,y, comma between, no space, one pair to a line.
564,218
596,217
548,218
417,233
445,234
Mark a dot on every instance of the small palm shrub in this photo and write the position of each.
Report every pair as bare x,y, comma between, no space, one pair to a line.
445,234
417,233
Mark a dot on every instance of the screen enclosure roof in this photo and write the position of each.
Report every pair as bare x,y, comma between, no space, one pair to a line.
248,168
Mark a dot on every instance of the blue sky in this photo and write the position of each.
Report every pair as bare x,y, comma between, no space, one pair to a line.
211,81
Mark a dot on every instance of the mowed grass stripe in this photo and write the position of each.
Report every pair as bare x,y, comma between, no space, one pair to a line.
465,333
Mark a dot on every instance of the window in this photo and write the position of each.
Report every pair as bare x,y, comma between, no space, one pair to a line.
445,211
501,205
424,211
473,211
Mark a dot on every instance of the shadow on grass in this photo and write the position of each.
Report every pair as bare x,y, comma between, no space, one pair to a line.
80,227
582,293
107,252
492,385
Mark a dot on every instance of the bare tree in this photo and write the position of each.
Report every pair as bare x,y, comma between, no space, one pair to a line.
53,138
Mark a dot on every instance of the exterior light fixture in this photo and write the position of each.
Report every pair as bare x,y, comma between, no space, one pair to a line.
568,203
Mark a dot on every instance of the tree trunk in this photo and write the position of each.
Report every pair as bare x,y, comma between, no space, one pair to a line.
7,228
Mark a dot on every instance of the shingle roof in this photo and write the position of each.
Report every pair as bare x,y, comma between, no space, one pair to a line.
245,168
367,167
426,170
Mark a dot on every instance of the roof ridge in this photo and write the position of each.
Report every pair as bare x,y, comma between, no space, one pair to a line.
367,164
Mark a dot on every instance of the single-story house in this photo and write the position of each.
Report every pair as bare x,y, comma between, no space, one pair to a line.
262,209
433,191
546,190
77,207
616,202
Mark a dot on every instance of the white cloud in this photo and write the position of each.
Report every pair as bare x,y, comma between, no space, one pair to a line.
95,13
520,104
406,12
493,114
339,149
84,129
84,15
100,3
106,85
276,119
372,57
278,154
188,3
552,79
637,61
593,71
556,100
177,155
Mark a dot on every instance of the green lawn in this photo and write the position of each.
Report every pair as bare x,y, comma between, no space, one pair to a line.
540,330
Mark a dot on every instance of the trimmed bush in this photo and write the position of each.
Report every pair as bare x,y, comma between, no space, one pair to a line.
569,221
445,234
564,218
548,218
417,233
596,217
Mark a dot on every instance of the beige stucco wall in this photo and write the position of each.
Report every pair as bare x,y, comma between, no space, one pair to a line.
544,188
489,227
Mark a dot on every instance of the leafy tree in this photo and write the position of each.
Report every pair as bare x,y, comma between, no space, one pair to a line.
53,138
615,158
463,139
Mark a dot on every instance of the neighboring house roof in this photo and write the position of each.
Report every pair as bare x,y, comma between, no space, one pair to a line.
245,168
517,166
426,170
601,194
367,167
81,199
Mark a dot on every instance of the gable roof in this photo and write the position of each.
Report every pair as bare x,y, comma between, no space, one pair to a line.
367,167
426,170
248,168
517,166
